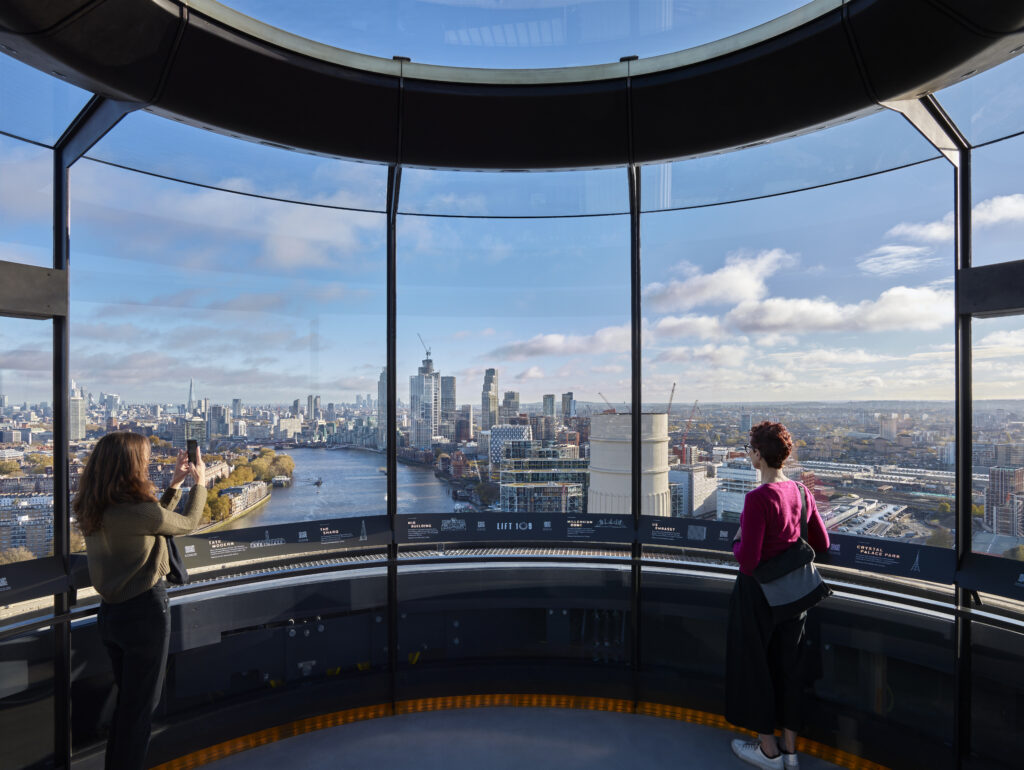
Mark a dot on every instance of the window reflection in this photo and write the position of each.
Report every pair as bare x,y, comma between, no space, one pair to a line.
997,495
34,105
997,189
814,309
989,105
26,200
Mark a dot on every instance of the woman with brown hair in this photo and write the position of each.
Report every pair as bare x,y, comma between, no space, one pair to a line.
124,524
763,686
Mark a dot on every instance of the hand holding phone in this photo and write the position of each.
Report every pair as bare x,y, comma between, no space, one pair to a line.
192,448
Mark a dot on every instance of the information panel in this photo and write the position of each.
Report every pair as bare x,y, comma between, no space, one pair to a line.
891,557
993,574
283,540
690,533
512,527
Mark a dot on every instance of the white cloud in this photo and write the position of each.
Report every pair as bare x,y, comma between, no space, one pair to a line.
611,339
533,373
701,326
828,356
742,278
608,369
997,210
715,355
898,308
894,259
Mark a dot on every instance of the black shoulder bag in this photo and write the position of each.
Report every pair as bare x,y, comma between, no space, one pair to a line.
790,581
178,574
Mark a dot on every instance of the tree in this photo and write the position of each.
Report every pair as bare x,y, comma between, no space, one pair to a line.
10,468
12,555
1017,552
944,507
977,510
941,538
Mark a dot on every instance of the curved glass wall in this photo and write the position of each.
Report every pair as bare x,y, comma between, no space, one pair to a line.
254,325
552,33
35,106
988,106
26,203
997,217
513,331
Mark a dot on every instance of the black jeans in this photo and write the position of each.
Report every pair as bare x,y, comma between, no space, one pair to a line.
136,634
765,665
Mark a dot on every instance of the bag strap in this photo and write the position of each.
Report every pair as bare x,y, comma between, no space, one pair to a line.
803,509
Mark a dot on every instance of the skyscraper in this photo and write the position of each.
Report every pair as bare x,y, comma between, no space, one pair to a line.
489,400
310,414
317,410
236,408
568,406
295,408
448,399
509,407
191,404
1000,509
549,405
424,405
76,419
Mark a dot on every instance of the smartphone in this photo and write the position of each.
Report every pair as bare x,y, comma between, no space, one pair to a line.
192,447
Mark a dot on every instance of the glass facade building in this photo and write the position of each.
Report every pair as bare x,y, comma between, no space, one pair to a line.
674,259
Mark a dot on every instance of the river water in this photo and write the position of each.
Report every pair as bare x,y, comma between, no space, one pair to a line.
352,486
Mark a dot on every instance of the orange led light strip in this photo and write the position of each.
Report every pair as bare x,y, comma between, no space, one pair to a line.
420,705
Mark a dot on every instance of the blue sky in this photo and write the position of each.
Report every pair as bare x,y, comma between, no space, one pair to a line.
840,292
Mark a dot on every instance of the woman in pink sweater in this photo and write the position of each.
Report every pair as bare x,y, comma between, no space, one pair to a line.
763,657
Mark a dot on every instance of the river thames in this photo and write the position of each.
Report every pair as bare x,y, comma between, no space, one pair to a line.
352,486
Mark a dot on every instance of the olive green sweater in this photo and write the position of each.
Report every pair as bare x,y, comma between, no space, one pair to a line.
126,554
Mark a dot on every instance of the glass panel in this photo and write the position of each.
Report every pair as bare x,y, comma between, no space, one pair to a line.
554,33
512,335
26,440
256,327
860,146
997,220
813,310
997,502
989,105
34,105
554,193
26,203
26,699
157,145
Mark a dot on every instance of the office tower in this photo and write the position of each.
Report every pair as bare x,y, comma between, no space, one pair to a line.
1009,455
218,421
4,401
188,428
509,407
887,426
236,408
543,427
76,419
317,410
310,414
382,408
695,490
191,404
611,464
549,405
735,479
568,406
448,399
489,400
369,401
295,408
746,422
424,405
1003,484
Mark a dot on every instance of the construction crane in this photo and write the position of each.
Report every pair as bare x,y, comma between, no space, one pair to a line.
671,395
424,344
686,431
610,407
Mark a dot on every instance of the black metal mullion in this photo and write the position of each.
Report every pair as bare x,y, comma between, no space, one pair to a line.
90,125
636,413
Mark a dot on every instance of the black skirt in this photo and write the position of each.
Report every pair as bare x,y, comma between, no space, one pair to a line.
765,663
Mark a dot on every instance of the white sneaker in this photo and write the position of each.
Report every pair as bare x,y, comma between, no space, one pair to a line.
750,751
790,761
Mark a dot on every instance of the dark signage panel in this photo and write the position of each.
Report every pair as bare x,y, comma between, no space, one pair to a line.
691,533
992,574
284,540
891,557
512,527
24,580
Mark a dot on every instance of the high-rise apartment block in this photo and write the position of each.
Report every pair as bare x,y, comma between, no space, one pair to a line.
1002,513
76,418
424,405
489,400
509,408
382,408
236,408
549,406
499,435
888,424
568,407
694,490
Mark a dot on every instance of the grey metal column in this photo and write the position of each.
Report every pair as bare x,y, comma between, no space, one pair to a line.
97,117
928,117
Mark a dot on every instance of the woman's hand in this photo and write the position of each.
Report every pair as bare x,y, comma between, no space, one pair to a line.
198,468
181,469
